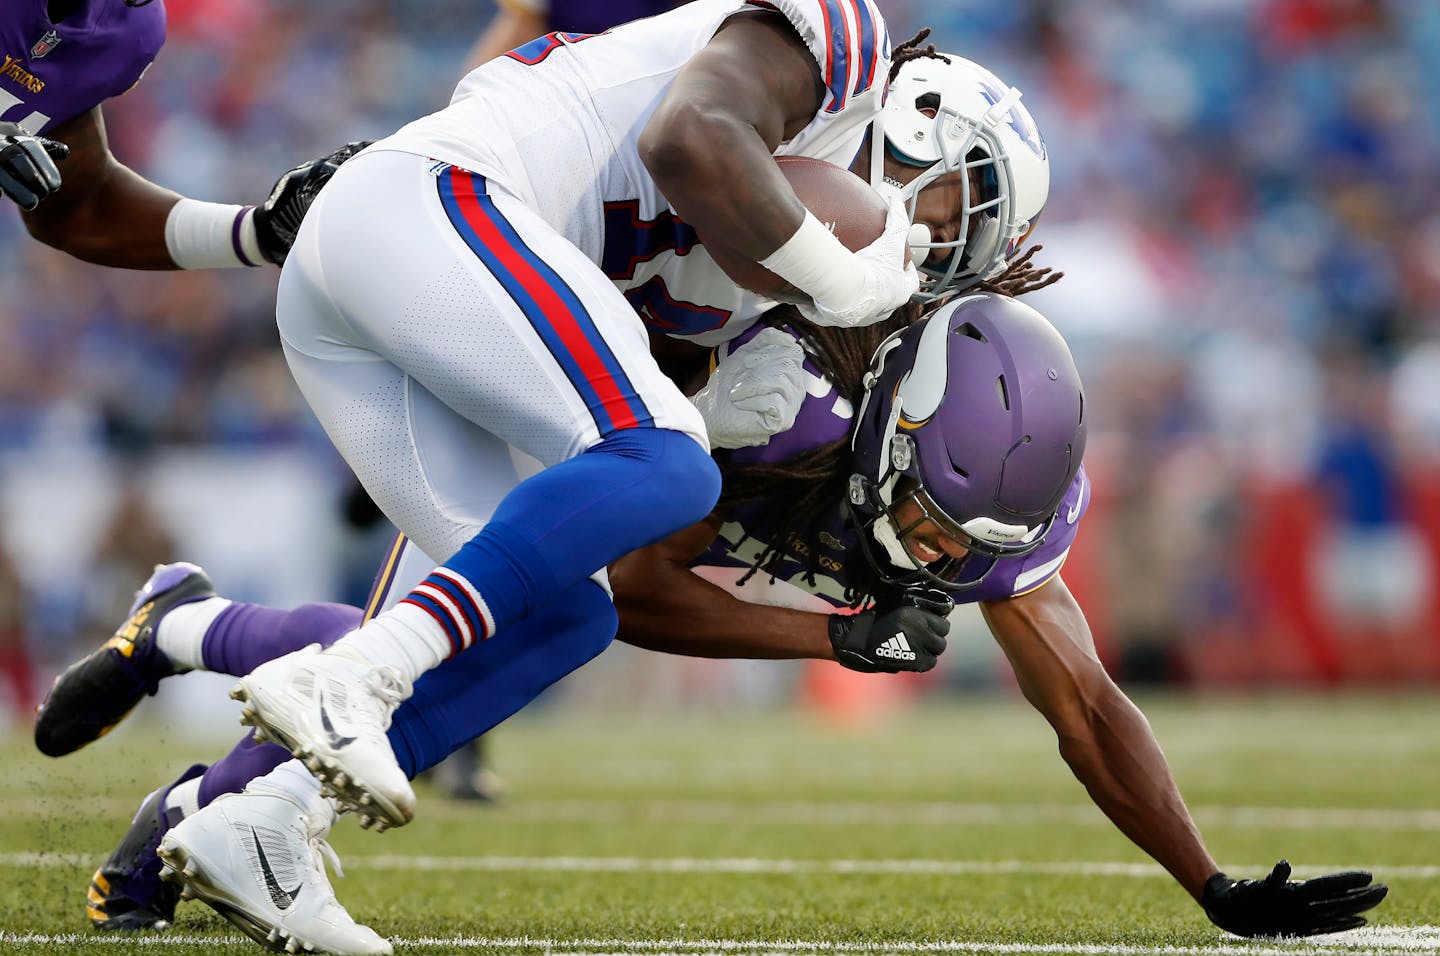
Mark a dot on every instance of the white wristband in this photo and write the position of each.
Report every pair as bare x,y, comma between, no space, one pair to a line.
212,235
817,263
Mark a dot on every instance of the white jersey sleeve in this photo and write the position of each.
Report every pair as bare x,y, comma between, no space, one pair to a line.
848,39
557,122
851,45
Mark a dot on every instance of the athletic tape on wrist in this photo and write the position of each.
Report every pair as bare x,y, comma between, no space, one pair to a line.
817,263
212,235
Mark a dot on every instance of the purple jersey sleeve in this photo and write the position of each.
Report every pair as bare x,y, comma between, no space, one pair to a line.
824,415
596,16
50,73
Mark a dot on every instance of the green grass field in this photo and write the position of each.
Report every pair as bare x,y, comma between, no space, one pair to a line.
947,830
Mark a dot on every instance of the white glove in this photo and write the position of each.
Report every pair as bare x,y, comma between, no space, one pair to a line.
755,392
888,280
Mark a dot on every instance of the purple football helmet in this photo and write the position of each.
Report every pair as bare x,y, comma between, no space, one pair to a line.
976,415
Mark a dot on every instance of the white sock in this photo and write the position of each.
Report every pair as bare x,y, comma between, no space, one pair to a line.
180,635
290,779
293,782
184,797
404,637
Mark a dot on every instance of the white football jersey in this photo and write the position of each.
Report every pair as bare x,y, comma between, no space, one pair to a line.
557,121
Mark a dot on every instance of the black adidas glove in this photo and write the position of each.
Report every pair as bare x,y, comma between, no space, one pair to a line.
1277,906
278,218
27,165
906,633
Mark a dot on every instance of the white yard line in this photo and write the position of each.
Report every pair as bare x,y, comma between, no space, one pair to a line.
1376,941
743,865
1024,814
832,814
571,864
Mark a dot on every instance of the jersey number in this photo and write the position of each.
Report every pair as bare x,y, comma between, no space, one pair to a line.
33,123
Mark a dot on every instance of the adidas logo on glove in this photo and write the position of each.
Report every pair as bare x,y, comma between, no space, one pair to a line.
897,648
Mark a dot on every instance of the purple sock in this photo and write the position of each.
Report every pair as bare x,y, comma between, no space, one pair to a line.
245,636
242,638
244,763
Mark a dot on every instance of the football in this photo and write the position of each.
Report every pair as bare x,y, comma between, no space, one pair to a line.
844,202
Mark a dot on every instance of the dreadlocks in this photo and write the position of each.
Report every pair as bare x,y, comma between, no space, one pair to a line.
1021,277
912,50
800,496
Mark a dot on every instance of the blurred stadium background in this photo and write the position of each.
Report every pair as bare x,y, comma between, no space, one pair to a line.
1244,203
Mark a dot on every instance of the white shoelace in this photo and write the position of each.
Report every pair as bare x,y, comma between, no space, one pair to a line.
328,852
391,689
320,820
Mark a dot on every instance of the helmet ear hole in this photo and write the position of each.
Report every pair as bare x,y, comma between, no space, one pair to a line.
928,103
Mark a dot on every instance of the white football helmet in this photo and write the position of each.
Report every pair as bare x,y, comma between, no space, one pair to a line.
948,116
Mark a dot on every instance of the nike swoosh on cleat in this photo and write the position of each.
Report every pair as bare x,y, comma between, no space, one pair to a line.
336,741
281,897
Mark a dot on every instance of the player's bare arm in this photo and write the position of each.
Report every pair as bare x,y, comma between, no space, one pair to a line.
709,148
105,212
709,143
1104,738
1111,749
655,588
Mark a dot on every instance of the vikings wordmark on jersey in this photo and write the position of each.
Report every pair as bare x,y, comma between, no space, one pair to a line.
53,72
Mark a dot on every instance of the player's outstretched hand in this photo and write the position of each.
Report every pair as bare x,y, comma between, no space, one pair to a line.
890,278
278,218
755,392
1279,906
906,633
27,165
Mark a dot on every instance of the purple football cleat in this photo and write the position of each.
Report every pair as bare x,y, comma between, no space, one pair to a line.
96,693
126,893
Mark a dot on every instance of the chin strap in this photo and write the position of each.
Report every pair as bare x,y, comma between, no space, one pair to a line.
882,529
986,237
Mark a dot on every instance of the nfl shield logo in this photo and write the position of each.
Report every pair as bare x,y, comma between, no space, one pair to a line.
44,45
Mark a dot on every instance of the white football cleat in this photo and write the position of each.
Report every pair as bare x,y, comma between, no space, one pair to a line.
331,709
257,858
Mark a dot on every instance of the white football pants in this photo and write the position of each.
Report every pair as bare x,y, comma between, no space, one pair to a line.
432,321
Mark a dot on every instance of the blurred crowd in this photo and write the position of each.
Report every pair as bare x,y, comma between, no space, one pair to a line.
1244,202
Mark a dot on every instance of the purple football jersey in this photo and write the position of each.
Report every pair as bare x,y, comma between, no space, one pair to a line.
53,72
824,417
596,16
